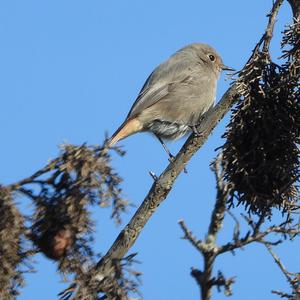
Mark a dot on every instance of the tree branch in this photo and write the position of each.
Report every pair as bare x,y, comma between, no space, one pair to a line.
208,248
161,187
272,19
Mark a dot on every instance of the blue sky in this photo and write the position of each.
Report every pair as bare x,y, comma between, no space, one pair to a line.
70,71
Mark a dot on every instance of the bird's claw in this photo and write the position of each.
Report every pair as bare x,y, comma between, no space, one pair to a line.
195,130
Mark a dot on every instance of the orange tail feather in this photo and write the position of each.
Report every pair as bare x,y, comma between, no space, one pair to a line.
129,127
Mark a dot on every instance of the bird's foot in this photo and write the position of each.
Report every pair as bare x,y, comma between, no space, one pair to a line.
195,130
172,158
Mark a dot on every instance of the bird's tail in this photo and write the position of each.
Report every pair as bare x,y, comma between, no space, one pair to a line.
129,127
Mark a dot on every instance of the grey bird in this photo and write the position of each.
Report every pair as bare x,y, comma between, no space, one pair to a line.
175,96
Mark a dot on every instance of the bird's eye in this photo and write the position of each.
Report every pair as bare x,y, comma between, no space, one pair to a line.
211,57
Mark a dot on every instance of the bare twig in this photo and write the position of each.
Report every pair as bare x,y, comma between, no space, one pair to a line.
220,207
188,235
31,179
284,295
255,237
236,230
269,31
292,278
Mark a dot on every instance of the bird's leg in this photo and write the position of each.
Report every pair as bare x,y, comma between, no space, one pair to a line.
171,156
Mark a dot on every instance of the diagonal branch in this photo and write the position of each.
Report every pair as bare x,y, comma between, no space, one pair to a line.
162,186
164,183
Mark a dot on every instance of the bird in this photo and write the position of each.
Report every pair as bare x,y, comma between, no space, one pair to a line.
175,96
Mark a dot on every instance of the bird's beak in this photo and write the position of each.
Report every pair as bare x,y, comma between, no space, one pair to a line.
225,68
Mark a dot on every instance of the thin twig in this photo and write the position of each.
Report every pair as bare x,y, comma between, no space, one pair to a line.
270,28
188,235
32,179
279,264
223,190
248,239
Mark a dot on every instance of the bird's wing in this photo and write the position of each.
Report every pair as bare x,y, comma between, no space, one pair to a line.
176,70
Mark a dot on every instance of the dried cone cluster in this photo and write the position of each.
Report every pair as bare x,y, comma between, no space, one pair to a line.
11,252
55,230
56,243
261,157
62,227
